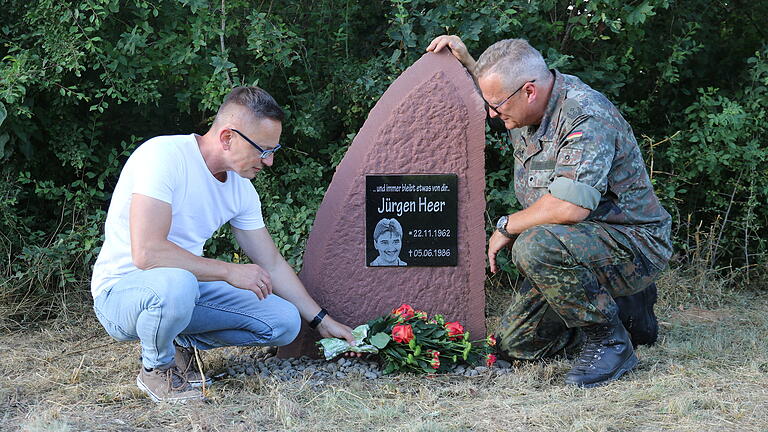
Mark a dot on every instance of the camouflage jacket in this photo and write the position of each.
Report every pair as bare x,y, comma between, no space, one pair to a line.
584,152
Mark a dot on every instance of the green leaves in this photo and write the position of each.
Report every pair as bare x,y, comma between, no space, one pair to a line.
380,340
79,78
220,64
639,14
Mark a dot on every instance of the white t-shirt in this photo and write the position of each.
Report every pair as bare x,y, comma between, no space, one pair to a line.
172,169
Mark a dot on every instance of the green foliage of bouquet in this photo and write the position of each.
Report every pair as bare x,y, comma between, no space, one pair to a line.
407,340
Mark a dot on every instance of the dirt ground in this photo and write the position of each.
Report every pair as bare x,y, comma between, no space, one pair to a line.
709,371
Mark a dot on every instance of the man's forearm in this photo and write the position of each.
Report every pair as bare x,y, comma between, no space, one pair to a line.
469,63
168,254
546,210
288,286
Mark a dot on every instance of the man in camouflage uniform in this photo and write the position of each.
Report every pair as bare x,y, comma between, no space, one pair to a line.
591,229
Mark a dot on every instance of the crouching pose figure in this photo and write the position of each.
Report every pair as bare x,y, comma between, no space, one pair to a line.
151,283
591,234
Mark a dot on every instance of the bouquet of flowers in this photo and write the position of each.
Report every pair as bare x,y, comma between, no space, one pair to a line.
407,340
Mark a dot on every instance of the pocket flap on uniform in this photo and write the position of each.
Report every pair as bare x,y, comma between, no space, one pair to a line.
540,178
569,156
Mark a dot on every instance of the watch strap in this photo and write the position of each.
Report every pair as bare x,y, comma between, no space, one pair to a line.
503,230
318,318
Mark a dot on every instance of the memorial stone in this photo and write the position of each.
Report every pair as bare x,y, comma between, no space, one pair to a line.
403,218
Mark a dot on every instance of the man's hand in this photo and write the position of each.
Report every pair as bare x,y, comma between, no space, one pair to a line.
250,277
457,48
329,327
497,242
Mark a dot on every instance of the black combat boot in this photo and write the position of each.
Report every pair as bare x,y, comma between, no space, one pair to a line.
607,354
636,313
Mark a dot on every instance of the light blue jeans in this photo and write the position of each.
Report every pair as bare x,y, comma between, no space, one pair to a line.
161,305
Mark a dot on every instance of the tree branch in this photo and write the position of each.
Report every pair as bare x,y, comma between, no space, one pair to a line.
221,38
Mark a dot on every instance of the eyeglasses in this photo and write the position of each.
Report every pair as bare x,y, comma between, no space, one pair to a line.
496,108
264,153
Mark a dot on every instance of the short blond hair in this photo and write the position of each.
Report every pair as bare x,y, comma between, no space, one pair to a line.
388,225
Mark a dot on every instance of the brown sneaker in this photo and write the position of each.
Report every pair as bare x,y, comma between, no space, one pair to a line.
167,385
187,364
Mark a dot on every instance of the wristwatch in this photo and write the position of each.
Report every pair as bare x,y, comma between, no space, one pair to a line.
501,226
318,318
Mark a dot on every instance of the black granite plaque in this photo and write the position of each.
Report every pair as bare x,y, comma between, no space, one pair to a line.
411,220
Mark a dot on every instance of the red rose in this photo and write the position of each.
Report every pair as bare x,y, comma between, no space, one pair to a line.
490,360
402,333
435,362
405,312
421,315
491,341
455,330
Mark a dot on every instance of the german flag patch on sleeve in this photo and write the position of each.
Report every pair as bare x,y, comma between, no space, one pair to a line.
574,135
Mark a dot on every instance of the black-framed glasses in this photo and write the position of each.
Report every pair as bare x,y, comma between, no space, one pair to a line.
264,153
496,108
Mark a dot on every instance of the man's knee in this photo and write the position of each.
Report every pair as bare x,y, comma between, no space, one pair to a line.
176,292
286,330
535,247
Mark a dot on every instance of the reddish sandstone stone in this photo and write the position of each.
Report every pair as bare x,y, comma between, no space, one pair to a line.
431,120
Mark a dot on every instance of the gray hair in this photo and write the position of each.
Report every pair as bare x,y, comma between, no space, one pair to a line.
514,61
260,103
387,225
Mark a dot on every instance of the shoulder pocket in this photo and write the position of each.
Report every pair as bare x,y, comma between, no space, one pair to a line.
569,156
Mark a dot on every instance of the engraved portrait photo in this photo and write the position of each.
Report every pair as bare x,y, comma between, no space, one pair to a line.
388,240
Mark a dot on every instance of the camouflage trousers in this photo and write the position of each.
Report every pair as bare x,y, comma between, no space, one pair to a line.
573,273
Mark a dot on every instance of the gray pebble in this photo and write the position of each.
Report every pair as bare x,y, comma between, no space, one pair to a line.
503,364
314,369
481,369
460,369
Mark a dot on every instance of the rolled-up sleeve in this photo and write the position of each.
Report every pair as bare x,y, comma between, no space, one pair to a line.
581,194
583,163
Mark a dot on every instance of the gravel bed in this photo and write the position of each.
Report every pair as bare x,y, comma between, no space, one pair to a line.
270,367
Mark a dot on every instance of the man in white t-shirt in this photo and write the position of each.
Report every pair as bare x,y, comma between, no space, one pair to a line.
150,281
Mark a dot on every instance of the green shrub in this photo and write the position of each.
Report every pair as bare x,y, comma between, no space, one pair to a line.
80,80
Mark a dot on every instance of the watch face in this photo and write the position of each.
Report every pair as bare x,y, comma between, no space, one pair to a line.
502,222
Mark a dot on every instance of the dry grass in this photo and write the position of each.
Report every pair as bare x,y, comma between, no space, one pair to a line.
708,372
